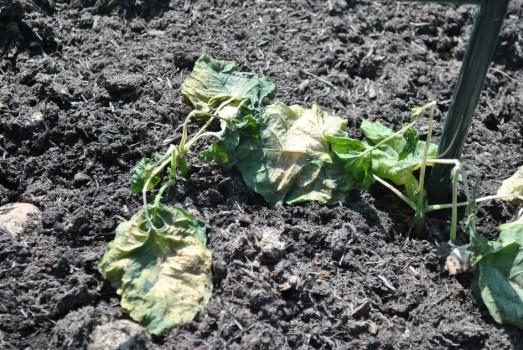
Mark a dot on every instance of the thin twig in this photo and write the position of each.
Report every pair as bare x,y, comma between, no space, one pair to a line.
324,81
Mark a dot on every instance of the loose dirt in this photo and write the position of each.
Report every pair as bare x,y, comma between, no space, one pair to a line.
87,88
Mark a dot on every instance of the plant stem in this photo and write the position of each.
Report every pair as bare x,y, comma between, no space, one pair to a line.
396,192
421,202
169,158
209,122
454,162
435,207
155,172
454,215
423,168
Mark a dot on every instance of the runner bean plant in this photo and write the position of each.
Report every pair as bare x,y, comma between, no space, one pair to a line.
479,54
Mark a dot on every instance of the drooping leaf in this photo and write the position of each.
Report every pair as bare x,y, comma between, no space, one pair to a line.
398,156
162,273
500,273
375,132
214,81
289,159
244,126
512,187
411,143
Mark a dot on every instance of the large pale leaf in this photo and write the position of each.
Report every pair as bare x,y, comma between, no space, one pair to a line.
512,187
290,160
500,273
214,81
163,274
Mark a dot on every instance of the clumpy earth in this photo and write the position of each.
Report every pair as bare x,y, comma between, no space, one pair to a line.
87,88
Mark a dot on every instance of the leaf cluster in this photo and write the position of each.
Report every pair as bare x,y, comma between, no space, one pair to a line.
292,154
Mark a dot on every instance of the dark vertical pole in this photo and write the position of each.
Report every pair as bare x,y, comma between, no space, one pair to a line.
479,54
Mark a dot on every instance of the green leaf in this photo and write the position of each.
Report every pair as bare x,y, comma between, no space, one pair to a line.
243,126
141,172
163,274
358,167
411,143
376,132
397,158
214,81
500,273
512,187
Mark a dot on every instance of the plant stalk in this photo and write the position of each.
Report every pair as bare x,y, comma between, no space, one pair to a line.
421,199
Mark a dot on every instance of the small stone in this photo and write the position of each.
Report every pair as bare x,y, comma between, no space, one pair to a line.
458,260
38,117
372,328
356,327
117,83
271,247
81,179
290,284
121,335
15,217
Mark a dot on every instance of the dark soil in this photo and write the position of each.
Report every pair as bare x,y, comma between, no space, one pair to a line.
89,87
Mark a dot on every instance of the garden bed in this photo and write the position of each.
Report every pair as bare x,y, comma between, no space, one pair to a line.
89,88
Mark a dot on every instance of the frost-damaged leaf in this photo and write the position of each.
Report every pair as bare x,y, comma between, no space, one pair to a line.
284,154
500,276
214,81
163,274
512,187
289,160
398,157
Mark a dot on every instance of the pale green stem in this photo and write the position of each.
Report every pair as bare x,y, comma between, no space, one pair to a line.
183,140
211,119
435,207
423,168
155,172
396,192
183,146
454,162
204,135
454,215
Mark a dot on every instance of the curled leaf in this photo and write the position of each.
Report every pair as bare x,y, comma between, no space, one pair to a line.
500,276
162,273
512,188
292,154
214,81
